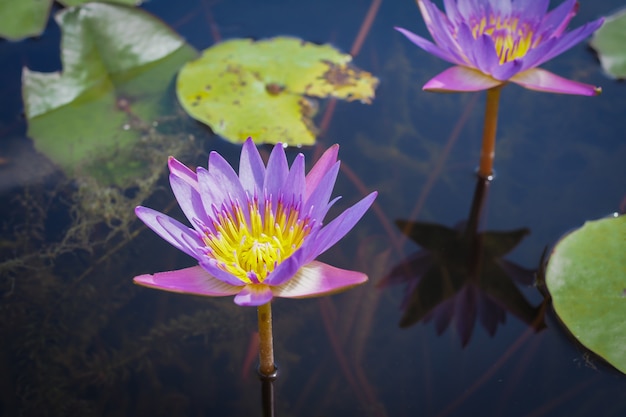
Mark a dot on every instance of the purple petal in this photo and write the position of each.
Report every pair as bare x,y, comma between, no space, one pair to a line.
295,183
181,171
188,199
555,22
452,11
473,8
288,268
499,8
570,39
465,312
428,46
317,278
507,70
276,172
484,54
225,177
210,265
254,295
319,170
194,280
542,80
251,168
442,31
169,229
461,79
337,229
530,9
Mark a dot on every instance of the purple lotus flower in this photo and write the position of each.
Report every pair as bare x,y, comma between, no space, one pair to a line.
493,42
255,234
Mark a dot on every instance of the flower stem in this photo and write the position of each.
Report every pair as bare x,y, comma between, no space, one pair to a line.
488,151
266,346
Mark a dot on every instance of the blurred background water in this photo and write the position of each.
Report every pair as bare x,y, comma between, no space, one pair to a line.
77,338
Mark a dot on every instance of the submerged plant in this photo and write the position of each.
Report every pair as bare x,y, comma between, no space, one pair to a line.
493,43
255,234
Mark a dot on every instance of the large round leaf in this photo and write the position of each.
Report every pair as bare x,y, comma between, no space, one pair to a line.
243,88
586,276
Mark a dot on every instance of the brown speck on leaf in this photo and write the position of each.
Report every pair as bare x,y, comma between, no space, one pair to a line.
207,87
339,75
123,104
274,89
236,102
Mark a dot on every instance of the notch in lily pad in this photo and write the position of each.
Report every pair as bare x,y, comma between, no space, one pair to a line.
264,89
610,43
586,277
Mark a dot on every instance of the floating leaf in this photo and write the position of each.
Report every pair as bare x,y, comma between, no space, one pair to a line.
79,2
117,64
23,18
610,43
586,276
245,88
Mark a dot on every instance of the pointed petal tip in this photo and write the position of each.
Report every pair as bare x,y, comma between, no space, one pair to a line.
541,80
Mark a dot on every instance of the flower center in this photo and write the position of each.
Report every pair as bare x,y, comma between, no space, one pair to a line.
251,250
512,39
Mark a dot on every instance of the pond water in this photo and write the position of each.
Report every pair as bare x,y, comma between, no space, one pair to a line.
78,338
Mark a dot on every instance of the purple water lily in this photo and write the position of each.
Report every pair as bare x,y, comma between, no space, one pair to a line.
493,42
255,234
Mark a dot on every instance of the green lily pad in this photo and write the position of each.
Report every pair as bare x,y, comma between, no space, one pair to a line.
117,64
586,276
243,88
23,18
610,43
79,2
20,19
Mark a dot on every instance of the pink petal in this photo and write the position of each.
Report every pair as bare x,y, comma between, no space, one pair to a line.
254,295
542,80
181,171
320,168
317,278
460,79
194,280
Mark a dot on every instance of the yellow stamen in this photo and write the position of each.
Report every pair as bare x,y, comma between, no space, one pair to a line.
512,40
251,251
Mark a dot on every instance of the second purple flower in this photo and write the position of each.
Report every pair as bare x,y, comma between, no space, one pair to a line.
492,42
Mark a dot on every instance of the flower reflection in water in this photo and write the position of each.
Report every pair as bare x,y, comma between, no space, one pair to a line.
460,275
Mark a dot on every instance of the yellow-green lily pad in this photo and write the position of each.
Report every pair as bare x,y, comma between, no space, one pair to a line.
586,277
243,88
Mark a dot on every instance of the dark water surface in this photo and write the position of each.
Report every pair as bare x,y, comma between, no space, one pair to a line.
77,338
